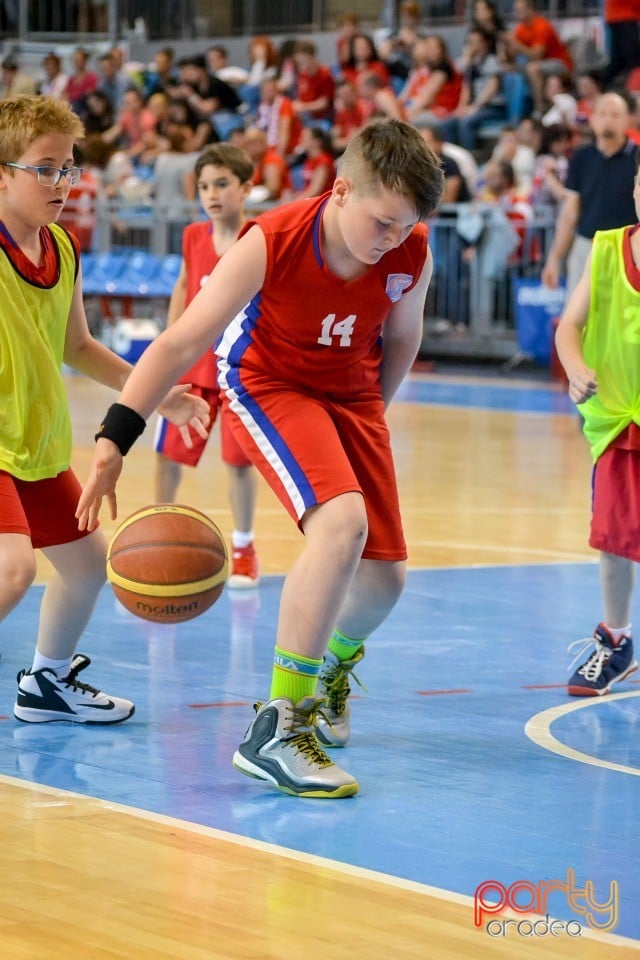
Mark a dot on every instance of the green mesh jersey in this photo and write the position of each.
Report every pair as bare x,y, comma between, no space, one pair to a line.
611,344
35,428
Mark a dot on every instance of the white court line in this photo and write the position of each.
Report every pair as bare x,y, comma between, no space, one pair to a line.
538,729
321,863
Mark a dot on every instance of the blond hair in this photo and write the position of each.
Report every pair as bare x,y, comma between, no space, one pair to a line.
23,119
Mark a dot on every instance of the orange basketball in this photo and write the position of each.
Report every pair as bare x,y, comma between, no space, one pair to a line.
167,563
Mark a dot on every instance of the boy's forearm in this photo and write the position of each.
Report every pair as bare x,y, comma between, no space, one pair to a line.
568,342
397,359
97,362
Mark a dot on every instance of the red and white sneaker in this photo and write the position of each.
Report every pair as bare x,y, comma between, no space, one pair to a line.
245,569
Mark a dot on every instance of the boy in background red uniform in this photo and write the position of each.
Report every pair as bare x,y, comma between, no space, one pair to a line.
223,180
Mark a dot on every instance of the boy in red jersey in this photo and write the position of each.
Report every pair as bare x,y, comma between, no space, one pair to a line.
321,305
42,325
223,178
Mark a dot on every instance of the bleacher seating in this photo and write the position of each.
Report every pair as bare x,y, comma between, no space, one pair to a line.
135,274
518,104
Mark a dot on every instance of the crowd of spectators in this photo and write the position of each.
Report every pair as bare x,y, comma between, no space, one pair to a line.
295,113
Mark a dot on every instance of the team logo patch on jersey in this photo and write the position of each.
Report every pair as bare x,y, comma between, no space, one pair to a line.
397,283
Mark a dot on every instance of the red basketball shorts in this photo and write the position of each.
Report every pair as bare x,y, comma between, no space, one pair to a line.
615,520
311,449
43,510
169,442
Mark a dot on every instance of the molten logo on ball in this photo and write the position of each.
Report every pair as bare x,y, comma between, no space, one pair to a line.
167,563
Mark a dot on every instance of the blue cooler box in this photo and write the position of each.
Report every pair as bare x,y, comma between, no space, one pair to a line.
132,337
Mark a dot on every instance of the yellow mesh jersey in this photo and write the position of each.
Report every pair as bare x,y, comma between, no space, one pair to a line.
35,427
611,344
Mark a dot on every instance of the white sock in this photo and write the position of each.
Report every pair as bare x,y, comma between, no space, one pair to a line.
241,539
60,667
620,632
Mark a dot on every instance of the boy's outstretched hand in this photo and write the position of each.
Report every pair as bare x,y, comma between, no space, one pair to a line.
185,410
105,470
182,409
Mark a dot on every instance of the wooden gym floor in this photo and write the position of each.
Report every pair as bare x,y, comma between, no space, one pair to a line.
141,841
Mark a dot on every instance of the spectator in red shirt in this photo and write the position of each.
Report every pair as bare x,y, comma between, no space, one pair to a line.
434,86
318,170
277,118
133,123
314,83
535,41
349,117
376,99
348,26
81,82
364,58
269,166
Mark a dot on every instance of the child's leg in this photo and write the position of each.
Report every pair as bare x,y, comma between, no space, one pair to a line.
280,745
612,659
617,580
168,475
172,452
319,581
17,570
50,690
243,490
71,594
374,591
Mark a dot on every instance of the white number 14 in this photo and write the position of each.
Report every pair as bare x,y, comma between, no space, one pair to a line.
337,328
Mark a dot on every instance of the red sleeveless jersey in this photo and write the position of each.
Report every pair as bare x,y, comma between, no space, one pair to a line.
307,327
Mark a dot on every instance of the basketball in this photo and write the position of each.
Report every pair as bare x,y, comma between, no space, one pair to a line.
167,563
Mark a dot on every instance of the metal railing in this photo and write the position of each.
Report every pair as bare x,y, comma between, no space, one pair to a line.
470,307
171,20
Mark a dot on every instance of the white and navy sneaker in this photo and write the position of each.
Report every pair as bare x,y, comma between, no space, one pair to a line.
611,661
280,747
43,697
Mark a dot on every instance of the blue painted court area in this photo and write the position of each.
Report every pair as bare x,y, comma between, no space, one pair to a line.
453,792
489,394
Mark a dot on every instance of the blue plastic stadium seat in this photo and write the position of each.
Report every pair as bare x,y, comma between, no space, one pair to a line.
104,271
169,271
140,275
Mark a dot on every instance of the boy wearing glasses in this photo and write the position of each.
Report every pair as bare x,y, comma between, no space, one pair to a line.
42,325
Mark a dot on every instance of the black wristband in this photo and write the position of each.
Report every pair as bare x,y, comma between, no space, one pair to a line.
122,426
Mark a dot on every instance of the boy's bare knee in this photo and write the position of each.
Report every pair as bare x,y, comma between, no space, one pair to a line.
17,580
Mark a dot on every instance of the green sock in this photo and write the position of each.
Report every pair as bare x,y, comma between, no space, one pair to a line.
344,647
293,676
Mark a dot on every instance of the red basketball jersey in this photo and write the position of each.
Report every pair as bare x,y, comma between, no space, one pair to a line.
200,258
307,327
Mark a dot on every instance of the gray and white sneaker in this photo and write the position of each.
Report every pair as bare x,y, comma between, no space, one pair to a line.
334,720
44,697
280,747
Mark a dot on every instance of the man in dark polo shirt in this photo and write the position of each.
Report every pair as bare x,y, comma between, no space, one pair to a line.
598,190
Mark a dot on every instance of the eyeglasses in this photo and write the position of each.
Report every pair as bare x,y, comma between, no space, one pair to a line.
48,176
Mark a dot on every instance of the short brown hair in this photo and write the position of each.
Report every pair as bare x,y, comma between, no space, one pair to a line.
25,118
226,155
392,154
